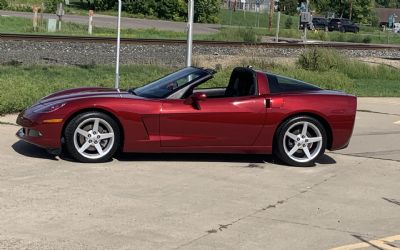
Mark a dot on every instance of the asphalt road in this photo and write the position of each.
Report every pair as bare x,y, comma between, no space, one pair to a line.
350,199
126,23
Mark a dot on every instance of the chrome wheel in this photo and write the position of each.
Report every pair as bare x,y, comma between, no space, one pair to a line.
94,138
302,141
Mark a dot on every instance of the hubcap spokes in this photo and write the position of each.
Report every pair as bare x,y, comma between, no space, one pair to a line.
94,138
302,141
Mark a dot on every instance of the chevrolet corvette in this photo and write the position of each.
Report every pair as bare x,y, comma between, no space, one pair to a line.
256,113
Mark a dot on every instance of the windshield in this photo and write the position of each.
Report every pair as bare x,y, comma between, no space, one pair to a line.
165,86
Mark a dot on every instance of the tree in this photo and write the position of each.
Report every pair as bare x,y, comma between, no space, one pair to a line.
362,10
288,7
206,11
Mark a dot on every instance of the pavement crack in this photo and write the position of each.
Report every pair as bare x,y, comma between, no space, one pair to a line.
222,227
365,157
8,123
375,112
324,228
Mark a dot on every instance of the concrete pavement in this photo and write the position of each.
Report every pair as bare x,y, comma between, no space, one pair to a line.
205,201
126,22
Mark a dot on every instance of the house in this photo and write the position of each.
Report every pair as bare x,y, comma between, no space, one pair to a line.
385,13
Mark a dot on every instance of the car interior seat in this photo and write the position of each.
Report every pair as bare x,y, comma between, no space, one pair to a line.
241,83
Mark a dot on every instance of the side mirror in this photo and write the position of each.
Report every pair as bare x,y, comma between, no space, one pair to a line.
195,98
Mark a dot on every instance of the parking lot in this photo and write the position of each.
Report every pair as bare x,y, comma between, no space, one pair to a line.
349,200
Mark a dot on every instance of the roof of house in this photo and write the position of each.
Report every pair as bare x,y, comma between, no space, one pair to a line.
384,13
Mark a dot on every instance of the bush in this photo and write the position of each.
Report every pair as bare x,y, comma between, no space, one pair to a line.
318,59
288,23
206,11
367,39
248,35
104,4
171,9
50,6
144,7
3,4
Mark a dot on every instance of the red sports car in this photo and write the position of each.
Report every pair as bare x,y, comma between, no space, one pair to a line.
257,113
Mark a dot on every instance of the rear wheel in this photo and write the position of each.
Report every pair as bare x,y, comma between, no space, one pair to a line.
92,137
301,141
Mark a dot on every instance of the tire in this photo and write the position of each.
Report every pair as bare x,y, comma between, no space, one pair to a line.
298,147
92,137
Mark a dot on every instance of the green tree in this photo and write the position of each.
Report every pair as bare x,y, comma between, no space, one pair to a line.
3,4
206,11
289,7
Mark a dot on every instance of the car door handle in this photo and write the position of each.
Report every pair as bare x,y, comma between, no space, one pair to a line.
274,102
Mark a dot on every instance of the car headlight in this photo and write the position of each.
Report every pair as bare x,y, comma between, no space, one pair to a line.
49,108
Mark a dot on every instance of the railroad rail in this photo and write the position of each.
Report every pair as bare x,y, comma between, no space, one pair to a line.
287,44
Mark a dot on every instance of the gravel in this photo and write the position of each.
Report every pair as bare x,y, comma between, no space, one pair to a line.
71,53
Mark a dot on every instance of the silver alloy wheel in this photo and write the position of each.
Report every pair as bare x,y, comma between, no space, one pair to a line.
302,141
94,138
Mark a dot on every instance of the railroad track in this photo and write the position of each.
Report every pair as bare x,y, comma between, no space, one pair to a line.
94,39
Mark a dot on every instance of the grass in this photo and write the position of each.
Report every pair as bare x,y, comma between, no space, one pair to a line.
246,32
24,85
253,19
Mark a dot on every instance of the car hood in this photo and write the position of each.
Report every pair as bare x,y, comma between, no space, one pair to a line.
79,93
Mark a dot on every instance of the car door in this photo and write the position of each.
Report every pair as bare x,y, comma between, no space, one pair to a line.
227,121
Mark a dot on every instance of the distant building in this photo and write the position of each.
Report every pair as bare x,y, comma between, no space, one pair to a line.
385,13
248,5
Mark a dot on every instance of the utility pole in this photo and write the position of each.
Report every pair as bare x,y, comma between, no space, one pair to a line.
118,44
271,12
351,9
277,26
190,33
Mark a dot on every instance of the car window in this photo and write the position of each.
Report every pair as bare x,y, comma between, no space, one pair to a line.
168,84
278,84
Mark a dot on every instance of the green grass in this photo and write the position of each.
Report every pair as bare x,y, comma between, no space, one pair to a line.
252,19
235,33
23,85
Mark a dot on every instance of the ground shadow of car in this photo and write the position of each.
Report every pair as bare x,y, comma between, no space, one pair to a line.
253,160
29,150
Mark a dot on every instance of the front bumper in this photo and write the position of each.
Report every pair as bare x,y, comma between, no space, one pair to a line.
40,134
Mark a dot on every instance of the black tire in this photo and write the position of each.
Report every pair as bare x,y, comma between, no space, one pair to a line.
107,126
315,130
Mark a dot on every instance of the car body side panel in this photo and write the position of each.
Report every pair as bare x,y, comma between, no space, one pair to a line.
339,116
218,122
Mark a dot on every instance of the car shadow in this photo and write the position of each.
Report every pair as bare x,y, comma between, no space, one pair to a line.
253,160
32,151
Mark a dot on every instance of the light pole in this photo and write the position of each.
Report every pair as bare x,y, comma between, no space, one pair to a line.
118,44
190,33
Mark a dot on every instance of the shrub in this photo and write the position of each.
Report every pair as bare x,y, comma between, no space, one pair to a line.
171,9
104,4
3,4
206,11
50,6
367,39
248,35
145,7
318,59
288,23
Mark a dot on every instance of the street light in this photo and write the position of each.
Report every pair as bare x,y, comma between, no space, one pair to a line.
190,33
118,44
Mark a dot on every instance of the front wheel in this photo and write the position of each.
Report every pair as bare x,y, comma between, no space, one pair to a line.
301,141
92,137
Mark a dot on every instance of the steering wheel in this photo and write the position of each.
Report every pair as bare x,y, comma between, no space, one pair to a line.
171,86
